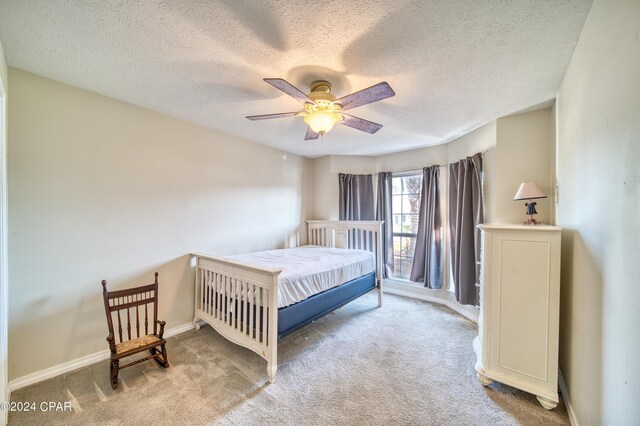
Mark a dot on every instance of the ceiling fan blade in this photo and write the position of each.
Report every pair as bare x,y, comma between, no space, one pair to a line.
310,135
360,124
366,96
289,89
270,116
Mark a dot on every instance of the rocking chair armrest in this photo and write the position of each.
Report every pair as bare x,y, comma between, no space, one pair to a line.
112,343
161,324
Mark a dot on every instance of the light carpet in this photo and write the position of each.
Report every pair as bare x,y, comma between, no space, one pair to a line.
408,363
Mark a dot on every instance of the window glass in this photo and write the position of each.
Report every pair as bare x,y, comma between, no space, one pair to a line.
405,209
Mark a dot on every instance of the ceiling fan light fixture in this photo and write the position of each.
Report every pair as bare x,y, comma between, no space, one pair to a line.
322,110
322,121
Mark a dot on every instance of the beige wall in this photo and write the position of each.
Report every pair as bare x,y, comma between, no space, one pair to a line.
415,159
525,149
4,319
321,193
102,189
325,181
598,163
3,67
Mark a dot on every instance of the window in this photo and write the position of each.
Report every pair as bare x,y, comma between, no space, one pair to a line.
405,209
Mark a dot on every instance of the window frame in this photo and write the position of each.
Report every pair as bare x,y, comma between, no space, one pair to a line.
413,173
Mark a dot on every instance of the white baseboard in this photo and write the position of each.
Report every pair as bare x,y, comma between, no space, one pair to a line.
566,399
180,329
66,367
432,299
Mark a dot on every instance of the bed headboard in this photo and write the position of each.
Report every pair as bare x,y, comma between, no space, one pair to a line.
349,234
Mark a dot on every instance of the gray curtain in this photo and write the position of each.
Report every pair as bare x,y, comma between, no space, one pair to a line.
356,197
427,258
465,213
383,212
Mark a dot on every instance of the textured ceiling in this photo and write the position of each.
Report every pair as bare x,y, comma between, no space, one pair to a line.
454,65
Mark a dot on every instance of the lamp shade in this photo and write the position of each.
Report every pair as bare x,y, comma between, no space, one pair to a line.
529,191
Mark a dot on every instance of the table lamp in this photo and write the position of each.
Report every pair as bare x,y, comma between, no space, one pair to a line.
529,191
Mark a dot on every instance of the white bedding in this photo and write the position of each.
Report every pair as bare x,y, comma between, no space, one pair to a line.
309,270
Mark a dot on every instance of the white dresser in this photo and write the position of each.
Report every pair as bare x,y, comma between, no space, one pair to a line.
517,342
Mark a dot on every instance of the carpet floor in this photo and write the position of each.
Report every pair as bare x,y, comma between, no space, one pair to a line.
408,363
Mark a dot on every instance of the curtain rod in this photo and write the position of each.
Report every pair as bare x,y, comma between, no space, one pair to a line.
448,164
418,171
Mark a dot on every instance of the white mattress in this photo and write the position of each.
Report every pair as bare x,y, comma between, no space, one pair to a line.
309,270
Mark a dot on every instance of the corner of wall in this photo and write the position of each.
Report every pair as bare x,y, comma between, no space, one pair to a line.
598,128
321,190
567,399
553,196
3,67
4,302
523,153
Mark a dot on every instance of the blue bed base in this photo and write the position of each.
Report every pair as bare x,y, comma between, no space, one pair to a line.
293,317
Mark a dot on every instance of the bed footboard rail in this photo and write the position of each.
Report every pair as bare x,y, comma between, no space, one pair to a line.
350,234
241,303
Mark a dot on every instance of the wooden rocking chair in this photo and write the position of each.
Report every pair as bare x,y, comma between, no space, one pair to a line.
131,300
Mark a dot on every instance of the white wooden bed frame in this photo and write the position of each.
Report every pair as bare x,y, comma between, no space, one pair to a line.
231,283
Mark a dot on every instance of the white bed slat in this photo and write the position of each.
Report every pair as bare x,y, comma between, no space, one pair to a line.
207,279
219,297
227,298
231,309
211,284
214,300
206,290
201,298
207,293
224,304
246,309
236,304
240,305
211,291
265,315
251,307
258,304
230,296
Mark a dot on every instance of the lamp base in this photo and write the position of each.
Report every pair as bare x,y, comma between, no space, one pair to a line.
532,221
